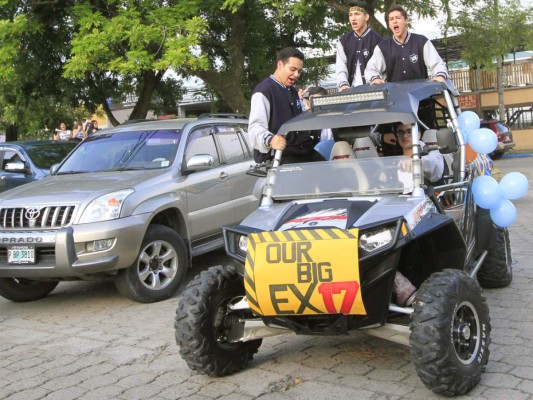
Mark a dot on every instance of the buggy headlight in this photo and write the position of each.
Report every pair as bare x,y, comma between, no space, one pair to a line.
373,240
243,244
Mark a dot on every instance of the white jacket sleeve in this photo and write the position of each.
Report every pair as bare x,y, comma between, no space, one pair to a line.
434,62
341,67
433,166
258,122
376,67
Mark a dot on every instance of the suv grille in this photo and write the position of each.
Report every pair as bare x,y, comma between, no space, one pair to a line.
34,217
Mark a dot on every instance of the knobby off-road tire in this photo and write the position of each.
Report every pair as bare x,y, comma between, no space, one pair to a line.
450,333
22,290
159,268
202,320
497,269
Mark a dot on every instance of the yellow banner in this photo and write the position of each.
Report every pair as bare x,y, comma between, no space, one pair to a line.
304,272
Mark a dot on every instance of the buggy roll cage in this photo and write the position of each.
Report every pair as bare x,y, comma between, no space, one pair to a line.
365,105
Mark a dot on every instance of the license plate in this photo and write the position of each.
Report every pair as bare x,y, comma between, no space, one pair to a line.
21,255
303,272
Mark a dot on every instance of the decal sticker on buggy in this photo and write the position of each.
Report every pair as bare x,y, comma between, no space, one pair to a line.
415,216
331,217
303,272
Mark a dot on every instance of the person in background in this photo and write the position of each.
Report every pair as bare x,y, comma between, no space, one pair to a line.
91,128
62,133
77,131
404,55
316,91
275,100
355,48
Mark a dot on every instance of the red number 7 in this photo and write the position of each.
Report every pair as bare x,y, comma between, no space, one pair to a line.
328,289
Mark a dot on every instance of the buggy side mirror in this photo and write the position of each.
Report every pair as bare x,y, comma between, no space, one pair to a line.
259,170
446,141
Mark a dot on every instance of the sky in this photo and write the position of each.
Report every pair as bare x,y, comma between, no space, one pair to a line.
431,29
428,27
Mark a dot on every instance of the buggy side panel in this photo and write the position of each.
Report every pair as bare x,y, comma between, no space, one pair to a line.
437,244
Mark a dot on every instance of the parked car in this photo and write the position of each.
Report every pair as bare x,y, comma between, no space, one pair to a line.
505,137
134,202
27,161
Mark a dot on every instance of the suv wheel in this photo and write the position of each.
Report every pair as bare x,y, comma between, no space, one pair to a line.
158,270
21,290
203,324
450,333
497,270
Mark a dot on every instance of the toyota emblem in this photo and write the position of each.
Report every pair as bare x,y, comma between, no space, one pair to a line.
32,213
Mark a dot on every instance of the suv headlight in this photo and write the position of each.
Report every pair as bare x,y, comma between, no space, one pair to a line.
105,207
376,239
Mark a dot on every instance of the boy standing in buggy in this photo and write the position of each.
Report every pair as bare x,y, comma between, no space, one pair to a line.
275,100
404,55
355,48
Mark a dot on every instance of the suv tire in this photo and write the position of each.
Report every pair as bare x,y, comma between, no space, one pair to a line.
159,268
22,290
203,322
450,333
497,269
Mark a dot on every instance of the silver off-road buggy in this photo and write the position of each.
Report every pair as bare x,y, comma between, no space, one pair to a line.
359,243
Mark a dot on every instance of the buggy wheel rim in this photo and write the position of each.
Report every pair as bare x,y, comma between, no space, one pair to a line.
158,265
466,332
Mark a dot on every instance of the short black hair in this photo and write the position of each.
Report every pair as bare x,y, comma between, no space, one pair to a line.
317,90
289,52
395,7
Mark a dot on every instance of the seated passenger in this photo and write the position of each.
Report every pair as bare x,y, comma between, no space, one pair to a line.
432,163
388,142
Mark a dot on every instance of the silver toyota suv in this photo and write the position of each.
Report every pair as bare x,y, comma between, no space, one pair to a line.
135,202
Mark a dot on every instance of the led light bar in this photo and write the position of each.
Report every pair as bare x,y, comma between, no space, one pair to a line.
348,98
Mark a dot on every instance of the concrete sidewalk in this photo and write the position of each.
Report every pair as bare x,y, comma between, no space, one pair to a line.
85,341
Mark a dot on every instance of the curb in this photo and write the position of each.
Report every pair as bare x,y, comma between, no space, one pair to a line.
517,155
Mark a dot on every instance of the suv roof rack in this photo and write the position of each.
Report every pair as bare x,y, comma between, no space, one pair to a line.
222,115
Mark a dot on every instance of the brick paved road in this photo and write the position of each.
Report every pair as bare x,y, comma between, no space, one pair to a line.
86,342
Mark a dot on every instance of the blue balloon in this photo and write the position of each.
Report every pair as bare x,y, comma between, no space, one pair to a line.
513,185
324,148
486,190
466,135
468,122
503,214
483,140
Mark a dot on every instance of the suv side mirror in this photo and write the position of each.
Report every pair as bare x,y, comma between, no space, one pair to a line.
15,166
54,168
200,162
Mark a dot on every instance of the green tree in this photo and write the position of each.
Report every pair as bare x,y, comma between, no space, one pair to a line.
127,47
58,56
33,93
491,31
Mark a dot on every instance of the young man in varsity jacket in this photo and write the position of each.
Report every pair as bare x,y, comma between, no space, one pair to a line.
274,101
355,48
405,55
